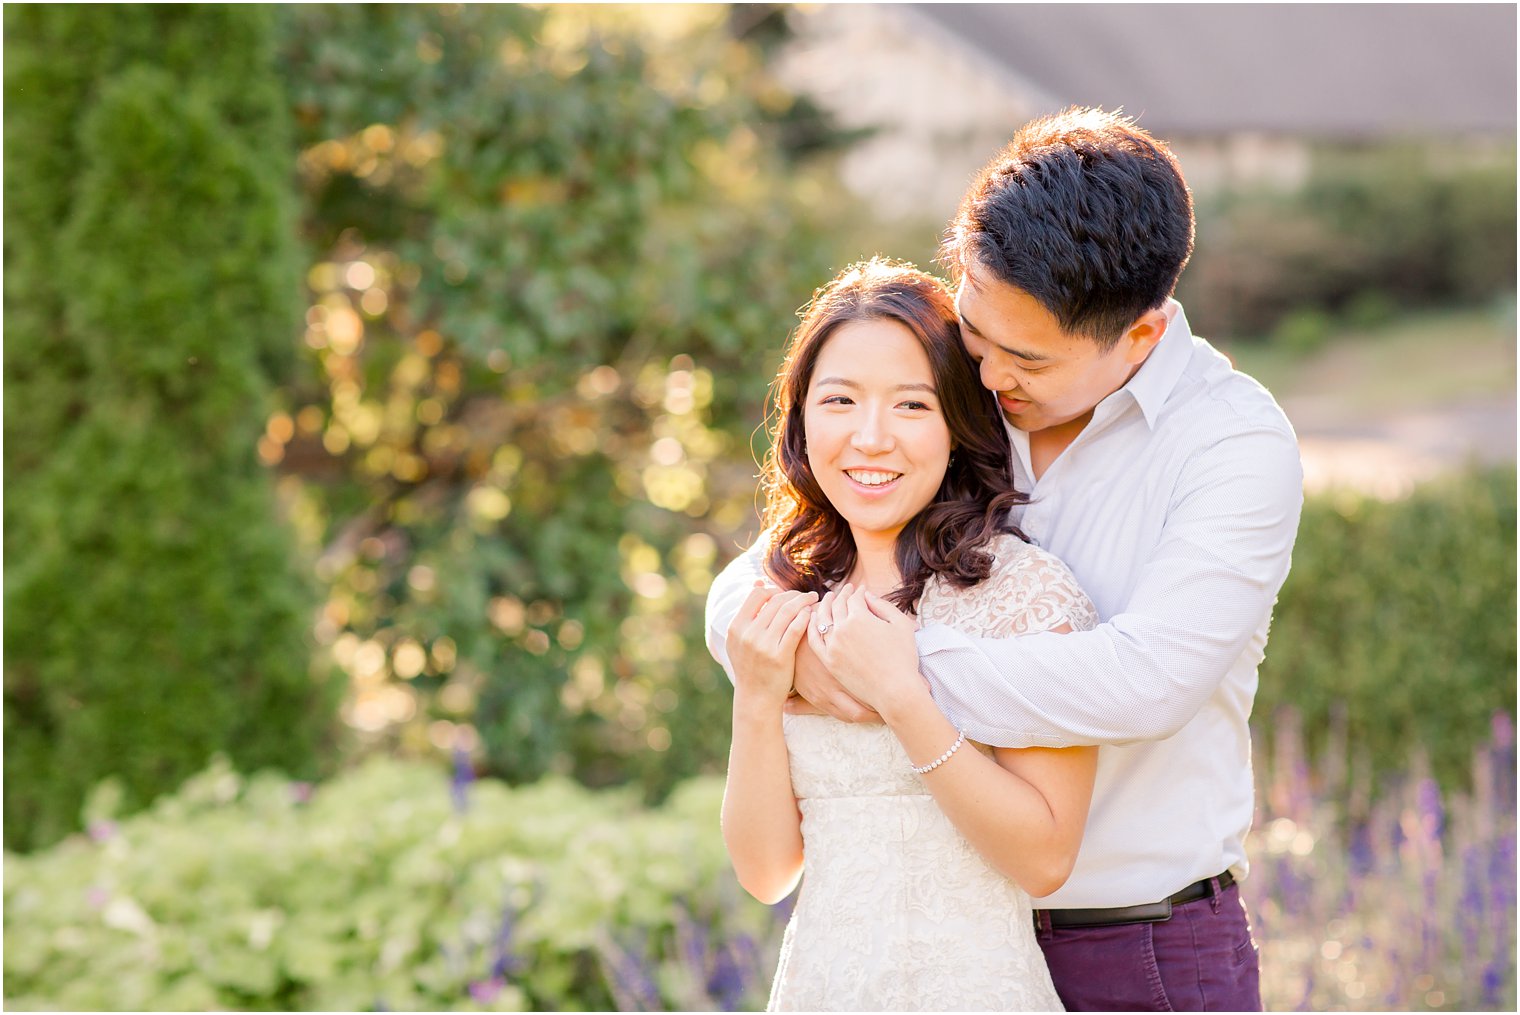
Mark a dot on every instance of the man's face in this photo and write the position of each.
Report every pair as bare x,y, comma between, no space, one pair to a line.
1044,377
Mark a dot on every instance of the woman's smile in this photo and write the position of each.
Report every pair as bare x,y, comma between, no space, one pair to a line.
877,440
873,482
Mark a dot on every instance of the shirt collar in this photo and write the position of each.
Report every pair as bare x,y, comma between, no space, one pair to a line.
1153,383
1150,387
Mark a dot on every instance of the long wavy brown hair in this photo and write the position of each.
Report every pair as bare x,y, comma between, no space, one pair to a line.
810,545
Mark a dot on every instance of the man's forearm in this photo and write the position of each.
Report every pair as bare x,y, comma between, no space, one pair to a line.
1203,595
1098,687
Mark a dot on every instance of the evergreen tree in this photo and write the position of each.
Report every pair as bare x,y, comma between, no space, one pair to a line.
155,615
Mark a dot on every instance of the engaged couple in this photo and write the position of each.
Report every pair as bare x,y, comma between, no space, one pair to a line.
995,650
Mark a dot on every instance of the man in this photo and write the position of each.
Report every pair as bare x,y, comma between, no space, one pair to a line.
1171,486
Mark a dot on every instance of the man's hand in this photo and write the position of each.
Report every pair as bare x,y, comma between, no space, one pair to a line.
818,693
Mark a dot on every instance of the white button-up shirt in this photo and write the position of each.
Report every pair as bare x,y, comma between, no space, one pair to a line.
1176,508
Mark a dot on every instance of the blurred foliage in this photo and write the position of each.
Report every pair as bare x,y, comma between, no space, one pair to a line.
554,255
385,889
1396,623
155,613
389,888
1374,230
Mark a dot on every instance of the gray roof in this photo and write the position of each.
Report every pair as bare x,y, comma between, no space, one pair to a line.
1317,69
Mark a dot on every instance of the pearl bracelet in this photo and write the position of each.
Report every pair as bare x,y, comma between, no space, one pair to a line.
931,766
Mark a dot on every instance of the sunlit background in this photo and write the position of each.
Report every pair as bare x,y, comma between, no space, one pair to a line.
384,388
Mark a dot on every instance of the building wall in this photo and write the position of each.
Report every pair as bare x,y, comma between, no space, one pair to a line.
943,109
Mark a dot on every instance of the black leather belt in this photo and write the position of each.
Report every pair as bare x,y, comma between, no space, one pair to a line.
1150,912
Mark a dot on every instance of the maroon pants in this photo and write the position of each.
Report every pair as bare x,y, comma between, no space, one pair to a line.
1202,959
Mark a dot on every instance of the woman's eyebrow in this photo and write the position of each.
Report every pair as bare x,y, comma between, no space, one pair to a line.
846,382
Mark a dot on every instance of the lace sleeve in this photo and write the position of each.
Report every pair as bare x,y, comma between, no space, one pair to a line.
1028,591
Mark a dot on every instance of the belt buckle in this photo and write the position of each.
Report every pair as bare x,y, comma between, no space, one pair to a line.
1148,912
1163,913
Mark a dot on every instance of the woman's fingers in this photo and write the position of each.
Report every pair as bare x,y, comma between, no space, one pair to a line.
854,604
777,615
879,607
798,626
767,613
823,616
757,598
787,611
815,640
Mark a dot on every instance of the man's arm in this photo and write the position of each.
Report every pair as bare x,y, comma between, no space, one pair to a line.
1144,673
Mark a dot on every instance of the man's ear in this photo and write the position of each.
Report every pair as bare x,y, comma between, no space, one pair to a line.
1143,335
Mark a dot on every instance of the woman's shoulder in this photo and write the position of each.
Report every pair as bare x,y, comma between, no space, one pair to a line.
1011,554
1026,589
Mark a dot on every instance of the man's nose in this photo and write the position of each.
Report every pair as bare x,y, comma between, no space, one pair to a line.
995,378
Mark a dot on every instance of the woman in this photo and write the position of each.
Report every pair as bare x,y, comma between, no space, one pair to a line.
887,496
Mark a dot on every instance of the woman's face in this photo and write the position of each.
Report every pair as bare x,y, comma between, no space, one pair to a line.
877,441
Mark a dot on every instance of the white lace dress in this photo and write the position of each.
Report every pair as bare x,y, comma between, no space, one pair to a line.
897,911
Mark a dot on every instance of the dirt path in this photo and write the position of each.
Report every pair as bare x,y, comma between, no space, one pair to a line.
1387,455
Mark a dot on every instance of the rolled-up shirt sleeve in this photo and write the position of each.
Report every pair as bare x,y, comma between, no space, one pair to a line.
1204,591
724,598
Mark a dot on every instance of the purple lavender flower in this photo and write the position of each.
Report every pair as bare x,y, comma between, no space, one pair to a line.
1503,731
690,940
727,983
485,991
1428,796
629,974
1504,758
464,774
1360,850
1493,980
507,962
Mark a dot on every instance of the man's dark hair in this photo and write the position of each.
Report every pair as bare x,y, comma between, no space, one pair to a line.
1085,212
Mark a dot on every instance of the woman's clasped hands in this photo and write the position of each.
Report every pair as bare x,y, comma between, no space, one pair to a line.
763,640
867,645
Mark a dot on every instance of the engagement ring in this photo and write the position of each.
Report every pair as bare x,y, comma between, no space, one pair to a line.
824,628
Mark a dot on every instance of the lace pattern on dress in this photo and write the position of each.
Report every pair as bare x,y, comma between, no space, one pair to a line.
897,911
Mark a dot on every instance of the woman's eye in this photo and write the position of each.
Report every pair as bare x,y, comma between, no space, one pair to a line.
916,406
836,400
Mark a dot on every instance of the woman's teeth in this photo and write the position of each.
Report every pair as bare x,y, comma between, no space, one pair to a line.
872,478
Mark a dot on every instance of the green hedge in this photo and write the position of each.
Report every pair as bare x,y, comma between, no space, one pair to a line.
155,611
1373,230
1396,626
388,889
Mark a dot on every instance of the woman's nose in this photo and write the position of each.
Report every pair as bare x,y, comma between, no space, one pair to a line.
873,436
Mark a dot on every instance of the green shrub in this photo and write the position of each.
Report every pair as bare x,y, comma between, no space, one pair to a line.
1417,226
155,614
555,253
1302,331
381,892
1396,624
